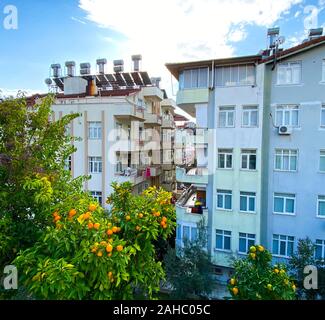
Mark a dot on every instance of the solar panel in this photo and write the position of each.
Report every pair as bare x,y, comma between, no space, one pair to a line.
112,80
128,79
59,82
121,82
137,79
101,80
145,78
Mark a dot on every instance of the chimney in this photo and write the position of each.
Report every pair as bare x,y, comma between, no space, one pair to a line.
56,70
156,82
136,62
315,33
85,68
70,67
101,65
118,66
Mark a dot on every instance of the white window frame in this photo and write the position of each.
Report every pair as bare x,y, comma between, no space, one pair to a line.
97,195
322,114
234,72
248,153
224,193
224,235
281,153
249,110
95,130
320,199
95,163
248,195
285,196
225,153
321,243
283,109
248,237
286,240
195,83
68,164
227,110
321,156
288,67
191,226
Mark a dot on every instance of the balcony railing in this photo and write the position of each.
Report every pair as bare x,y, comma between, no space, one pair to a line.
152,119
193,176
135,176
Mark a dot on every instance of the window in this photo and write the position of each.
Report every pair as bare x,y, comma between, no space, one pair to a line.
189,233
95,164
94,130
226,117
322,116
321,206
246,240
195,78
250,116
97,195
239,75
289,73
323,71
287,115
225,158
224,199
282,245
223,240
248,159
247,201
320,249
68,164
286,160
322,161
284,203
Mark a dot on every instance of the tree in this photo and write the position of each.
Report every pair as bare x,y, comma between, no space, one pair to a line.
305,256
90,254
256,279
189,269
33,179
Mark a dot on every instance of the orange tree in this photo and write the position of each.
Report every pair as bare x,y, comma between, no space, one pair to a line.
256,279
89,253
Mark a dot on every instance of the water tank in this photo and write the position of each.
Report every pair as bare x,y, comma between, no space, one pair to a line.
136,62
70,68
56,70
85,68
101,65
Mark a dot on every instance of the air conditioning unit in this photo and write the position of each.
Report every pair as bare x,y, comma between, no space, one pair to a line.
284,130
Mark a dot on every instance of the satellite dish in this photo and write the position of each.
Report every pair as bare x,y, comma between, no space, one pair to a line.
48,81
281,40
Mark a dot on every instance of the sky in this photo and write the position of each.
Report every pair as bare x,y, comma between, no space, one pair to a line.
54,31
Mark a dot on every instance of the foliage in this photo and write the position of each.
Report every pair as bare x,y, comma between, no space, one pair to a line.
256,279
305,256
33,151
189,269
88,254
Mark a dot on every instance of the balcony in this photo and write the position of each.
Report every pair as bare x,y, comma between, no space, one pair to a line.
168,123
193,176
152,120
187,98
128,113
134,176
201,136
153,93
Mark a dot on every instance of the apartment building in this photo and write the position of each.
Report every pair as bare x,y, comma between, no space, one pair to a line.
121,116
261,178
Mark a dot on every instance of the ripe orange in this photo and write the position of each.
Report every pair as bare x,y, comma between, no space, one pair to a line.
57,218
99,254
94,249
165,226
127,218
96,226
55,214
87,215
92,207
114,229
109,232
140,215
119,248
164,219
235,291
110,274
157,214
90,225
109,248
162,223
72,213
118,229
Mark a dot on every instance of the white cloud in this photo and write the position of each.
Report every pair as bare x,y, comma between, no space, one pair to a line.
178,30
297,14
78,20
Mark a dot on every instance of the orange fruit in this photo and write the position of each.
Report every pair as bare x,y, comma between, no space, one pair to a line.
119,248
157,214
162,223
127,218
96,226
109,254
140,215
110,274
232,281
55,214
92,207
87,215
137,228
93,250
235,291
57,218
252,255
165,226
90,225
99,254
114,229
109,232
72,212
164,219
118,229
109,248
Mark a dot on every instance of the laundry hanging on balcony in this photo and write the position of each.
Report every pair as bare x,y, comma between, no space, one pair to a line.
148,172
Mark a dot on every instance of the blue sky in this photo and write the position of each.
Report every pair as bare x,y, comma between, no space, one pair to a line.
162,31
